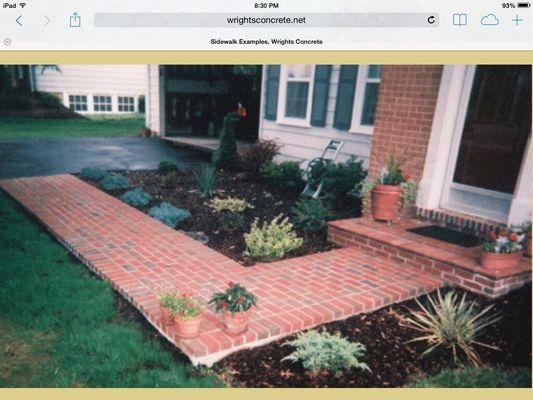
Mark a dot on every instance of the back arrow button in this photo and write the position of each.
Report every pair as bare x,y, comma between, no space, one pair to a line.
48,20
18,20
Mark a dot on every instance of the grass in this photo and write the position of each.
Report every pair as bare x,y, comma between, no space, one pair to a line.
61,326
477,377
94,126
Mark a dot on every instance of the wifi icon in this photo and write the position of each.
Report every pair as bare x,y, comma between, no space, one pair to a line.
22,5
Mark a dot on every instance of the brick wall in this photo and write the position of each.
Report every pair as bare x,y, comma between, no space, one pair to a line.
407,99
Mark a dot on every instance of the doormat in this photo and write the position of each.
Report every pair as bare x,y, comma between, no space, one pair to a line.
447,235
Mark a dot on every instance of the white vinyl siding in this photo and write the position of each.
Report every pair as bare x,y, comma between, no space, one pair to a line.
95,81
155,99
301,143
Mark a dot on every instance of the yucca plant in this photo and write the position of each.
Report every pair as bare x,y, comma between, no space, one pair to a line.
451,322
206,179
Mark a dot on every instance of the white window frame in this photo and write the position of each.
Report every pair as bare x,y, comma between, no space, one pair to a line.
282,99
134,104
94,96
87,103
360,88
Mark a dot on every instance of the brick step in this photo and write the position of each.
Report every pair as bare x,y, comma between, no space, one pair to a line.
456,265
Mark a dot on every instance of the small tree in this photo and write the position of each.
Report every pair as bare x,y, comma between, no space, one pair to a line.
225,157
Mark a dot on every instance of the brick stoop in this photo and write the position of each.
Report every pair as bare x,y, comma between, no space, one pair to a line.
457,265
138,255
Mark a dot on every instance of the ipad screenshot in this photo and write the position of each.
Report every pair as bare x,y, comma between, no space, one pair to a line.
265,194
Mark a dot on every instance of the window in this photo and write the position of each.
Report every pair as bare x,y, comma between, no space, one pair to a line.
126,104
296,89
102,104
78,103
366,98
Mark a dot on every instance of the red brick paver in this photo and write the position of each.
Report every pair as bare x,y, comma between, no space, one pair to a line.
457,265
138,255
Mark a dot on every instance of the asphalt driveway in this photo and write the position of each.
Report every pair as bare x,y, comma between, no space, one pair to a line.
39,157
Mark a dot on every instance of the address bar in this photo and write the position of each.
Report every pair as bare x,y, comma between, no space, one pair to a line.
264,20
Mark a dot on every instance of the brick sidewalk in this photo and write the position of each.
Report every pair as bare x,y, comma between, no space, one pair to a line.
138,255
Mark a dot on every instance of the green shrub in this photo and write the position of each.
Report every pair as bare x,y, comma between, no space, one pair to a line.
136,198
272,240
170,180
93,173
310,215
115,182
340,179
14,102
323,351
206,179
231,221
230,204
285,176
48,100
252,159
141,104
230,211
473,377
225,157
166,167
169,215
452,323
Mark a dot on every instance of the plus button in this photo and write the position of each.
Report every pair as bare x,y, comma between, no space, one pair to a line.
517,20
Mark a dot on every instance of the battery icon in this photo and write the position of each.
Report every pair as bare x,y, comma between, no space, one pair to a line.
524,5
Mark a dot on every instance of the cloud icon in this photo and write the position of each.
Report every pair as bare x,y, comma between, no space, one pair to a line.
490,19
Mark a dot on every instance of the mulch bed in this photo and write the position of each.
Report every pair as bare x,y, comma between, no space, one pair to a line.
393,362
267,202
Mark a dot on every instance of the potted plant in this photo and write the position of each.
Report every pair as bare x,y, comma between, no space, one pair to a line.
526,227
235,304
391,191
167,302
188,316
504,249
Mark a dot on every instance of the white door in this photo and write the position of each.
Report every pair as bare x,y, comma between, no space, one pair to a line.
489,142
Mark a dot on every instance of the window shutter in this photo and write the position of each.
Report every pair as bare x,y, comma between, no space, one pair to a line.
271,92
319,106
345,97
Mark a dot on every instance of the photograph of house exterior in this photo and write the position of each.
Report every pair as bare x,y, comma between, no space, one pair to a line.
466,133
301,225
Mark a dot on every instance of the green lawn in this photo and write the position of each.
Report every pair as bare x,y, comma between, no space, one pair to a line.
60,326
18,128
471,377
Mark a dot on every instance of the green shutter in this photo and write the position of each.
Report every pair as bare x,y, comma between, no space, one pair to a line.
271,92
319,106
345,97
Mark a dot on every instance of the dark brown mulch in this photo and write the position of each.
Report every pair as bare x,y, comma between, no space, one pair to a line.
267,204
393,362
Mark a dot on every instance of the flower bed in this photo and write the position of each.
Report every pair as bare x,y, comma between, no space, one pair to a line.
182,191
393,362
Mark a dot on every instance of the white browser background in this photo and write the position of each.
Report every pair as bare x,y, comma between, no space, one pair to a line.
203,25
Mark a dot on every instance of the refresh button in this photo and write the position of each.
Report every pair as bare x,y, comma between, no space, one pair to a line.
431,19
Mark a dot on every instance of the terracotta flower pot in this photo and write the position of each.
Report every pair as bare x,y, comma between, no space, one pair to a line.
386,202
166,319
500,261
236,323
188,328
